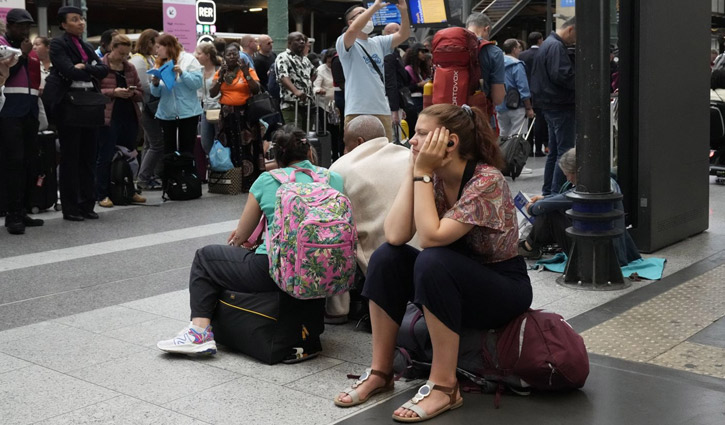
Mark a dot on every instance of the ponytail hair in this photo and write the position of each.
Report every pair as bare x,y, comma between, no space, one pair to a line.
290,145
477,141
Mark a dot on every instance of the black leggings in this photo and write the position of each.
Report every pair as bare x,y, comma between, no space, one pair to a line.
217,268
184,129
458,290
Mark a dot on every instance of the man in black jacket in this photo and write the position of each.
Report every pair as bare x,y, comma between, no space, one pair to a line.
539,138
553,89
396,78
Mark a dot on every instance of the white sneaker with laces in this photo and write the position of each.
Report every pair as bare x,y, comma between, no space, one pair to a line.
189,341
526,170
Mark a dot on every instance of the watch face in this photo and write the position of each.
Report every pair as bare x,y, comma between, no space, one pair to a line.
426,179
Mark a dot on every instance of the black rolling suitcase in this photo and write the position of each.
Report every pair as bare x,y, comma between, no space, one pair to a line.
320,140
269,326
42,185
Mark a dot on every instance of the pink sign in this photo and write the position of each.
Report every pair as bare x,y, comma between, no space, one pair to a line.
7,5
180,21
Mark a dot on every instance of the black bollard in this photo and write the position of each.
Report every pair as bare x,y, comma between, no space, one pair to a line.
593,261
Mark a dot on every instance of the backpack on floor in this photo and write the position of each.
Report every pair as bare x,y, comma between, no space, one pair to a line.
515,150
537,350
180,179
458,72
311,242
121,188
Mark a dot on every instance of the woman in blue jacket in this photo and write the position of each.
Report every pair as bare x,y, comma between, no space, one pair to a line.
511,120
179,108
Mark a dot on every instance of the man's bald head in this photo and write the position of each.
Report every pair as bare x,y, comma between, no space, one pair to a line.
391,28
361,129
265,44
249,44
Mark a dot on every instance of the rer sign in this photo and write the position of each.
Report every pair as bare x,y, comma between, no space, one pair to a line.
205,12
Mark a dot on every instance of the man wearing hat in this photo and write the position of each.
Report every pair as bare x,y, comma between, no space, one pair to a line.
19,121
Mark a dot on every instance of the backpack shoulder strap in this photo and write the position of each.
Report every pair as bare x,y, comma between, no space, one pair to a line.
280,176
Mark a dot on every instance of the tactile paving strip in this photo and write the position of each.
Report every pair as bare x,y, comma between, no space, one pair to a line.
658,325
697,358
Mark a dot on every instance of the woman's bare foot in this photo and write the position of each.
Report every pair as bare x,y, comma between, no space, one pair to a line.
430,404
370,384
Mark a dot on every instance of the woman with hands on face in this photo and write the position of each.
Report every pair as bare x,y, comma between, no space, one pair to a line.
237,83
469,273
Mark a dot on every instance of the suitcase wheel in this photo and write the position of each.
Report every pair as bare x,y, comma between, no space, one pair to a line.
57,207
35,210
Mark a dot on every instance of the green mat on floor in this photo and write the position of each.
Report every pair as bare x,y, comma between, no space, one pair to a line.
645,268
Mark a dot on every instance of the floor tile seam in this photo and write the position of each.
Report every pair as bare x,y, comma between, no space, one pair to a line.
696,345
75,410
105,332
90,287
19,368
237,378
287,384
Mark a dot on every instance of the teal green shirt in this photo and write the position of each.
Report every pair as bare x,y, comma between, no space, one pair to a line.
264,190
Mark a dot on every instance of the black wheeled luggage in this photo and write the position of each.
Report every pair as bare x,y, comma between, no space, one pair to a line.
42,185
269,326
320,140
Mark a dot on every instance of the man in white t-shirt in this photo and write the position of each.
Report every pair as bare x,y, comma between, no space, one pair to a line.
372,170
362,62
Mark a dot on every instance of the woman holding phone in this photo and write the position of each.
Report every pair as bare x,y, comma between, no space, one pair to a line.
122,85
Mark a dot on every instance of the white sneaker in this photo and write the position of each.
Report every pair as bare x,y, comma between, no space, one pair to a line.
526,170
189,341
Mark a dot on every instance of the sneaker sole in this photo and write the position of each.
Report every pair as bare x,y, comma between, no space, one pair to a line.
207,348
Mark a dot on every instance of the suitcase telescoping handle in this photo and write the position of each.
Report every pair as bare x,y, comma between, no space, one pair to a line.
533,120
297,104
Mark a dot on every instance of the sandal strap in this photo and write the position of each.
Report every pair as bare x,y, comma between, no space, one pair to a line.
352,393
449,391
386,376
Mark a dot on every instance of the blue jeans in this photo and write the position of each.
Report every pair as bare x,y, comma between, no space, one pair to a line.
208,133
562,137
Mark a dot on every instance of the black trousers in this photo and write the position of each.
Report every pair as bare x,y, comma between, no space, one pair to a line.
458,290
183,130
18,146
78,147
539,138
217,268
550,228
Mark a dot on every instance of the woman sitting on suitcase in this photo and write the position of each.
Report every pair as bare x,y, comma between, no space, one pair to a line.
468,275
217,268
238,82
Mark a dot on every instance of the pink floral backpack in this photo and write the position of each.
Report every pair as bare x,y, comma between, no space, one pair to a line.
311,241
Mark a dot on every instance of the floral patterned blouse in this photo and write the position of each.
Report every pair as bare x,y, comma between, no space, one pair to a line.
486,203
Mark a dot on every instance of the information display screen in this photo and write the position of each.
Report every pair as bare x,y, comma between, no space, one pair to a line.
387,15
428,12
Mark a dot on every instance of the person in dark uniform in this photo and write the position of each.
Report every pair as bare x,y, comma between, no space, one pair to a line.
76,69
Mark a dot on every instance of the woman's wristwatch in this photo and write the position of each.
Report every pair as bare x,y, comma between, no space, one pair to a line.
425,178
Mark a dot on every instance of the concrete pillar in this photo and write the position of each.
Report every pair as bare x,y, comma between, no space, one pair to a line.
278,23
43,17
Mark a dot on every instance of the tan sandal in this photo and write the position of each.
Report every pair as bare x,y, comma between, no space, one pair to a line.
352,392
424,392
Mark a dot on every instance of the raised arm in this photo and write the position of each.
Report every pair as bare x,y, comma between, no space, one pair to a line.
402,36
359,22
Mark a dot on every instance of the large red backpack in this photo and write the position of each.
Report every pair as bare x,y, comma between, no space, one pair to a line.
457,75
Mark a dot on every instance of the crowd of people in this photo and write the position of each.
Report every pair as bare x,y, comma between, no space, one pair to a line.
436,221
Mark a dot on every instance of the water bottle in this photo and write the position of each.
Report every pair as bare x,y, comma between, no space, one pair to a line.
428,94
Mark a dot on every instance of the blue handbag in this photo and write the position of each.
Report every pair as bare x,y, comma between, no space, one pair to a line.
220,157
